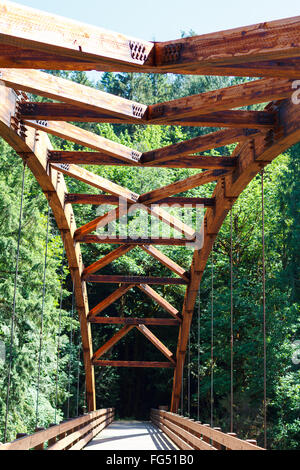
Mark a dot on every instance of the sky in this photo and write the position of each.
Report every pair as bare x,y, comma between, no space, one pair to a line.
163,20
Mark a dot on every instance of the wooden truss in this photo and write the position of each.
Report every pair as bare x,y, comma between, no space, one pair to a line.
32,40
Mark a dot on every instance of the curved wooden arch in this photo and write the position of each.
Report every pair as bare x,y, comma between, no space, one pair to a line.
260,136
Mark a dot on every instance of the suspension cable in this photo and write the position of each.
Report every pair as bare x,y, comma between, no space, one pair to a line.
59,332
42,322
78,375
13,318
71,350
231,325
198,362
182,389
189,376
264,310
212,342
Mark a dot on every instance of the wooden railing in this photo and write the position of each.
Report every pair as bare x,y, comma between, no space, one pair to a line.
72,434
192,435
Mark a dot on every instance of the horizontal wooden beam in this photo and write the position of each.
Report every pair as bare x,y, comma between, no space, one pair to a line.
283,68
198,144
160,300
245,94
182,186
34,59
116,279
109,300
130,241
112,341
67,131
156,342
136,321
69,112
68,91
99,158
134,364
98,199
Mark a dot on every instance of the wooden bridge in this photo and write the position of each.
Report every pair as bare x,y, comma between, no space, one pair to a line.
98,431
32,40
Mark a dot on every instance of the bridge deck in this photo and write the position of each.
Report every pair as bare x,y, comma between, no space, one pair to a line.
131,435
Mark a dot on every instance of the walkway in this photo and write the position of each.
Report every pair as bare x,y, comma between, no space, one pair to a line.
131,435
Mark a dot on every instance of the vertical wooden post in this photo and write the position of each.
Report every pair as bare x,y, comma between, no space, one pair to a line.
233,434
205,438
216,444
40,446
252,441
53,439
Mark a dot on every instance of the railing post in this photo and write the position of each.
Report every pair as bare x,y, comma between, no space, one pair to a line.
205,438
216,444
233,434
53,439
252,441
39,446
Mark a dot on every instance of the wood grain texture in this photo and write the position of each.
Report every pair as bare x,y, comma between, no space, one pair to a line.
70,112
68,91
34,150
112,341
151,364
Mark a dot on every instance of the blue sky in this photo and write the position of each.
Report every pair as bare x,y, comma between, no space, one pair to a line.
162,20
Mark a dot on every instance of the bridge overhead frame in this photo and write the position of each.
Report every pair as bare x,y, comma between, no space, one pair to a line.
32,40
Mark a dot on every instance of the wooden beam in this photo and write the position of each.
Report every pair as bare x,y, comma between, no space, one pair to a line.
182,186
129,241
211,54
260,42
122,209
283,68
96,181
267,148
134,364
99,222
68,91
136,321
44,32
245,94
109,300
116,279
112,341
32,59
156,342
160,300
35,151
86,138
68,112
107,259
166,261
172,221
98,199
198,144
187,161
236,118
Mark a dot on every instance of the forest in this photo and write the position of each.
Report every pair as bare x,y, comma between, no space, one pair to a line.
49,387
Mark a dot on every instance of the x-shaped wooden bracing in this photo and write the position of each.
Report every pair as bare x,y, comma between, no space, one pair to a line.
266,50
